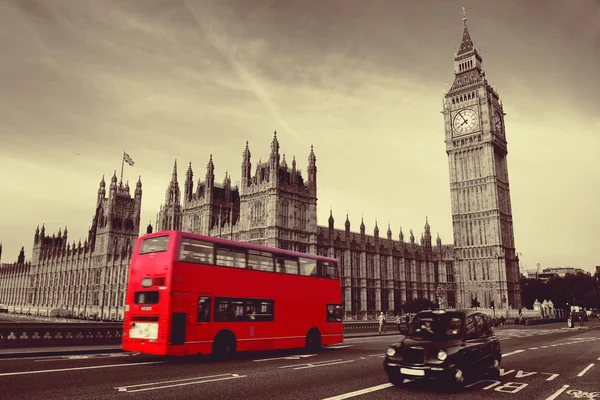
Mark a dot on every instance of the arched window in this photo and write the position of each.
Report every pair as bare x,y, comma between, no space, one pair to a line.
196,224
284,213
303,219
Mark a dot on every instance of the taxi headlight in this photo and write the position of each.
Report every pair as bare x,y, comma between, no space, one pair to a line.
390,351
442,355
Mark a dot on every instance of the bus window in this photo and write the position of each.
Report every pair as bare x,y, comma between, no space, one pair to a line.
286,265
327,269
308,267
260,260
264,310
203,309
157,244
230,257
334,313
147,297
239,310
229,310
196,251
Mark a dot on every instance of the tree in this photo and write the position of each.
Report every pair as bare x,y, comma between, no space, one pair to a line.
571,290
592,299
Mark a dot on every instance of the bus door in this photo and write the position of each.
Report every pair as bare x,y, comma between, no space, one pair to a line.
179,318
203,311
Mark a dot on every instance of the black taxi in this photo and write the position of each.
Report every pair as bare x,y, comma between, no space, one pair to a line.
450,345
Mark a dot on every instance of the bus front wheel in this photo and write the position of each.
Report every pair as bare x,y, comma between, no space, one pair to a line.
224,345
313,340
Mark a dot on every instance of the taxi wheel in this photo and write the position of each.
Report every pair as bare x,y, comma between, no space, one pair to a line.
458,378
495,368
396,379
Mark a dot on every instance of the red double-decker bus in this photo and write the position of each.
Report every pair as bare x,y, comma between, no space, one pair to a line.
192,294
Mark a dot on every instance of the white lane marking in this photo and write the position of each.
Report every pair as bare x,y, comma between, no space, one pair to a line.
359,340
294,357
92,357
339,347
598,358
324,365
359,392
558,392
533,348
125,353
181,382
43,371
586,369
317,364
512,352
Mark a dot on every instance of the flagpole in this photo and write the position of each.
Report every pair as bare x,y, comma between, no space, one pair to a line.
122,164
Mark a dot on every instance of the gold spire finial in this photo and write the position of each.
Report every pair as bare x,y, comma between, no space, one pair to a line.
464,16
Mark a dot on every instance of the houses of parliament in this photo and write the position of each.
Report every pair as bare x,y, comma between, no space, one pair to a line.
275,205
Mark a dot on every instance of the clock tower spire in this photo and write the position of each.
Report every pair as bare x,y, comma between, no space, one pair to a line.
485,256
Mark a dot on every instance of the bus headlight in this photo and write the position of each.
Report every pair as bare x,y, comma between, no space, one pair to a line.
390,351
442,355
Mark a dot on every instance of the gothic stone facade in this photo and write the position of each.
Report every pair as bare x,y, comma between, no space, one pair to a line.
14,280
88,279
488,265
275,207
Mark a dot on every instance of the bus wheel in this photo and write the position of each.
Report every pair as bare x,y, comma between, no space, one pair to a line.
224,345
313,340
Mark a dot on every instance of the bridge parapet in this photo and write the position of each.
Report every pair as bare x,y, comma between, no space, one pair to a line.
15,335
40,334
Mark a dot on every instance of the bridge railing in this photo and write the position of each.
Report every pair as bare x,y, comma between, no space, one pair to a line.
40,334
24,334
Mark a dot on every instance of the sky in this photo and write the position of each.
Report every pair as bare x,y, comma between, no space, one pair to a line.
82,80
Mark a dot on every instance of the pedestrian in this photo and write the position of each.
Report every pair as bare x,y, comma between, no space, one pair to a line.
381,322
502,321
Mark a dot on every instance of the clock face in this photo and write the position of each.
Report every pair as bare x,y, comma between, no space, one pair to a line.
465,121
497,120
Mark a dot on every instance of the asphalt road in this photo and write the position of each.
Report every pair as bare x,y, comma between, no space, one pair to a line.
544,362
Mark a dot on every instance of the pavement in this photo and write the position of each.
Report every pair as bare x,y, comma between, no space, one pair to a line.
539,363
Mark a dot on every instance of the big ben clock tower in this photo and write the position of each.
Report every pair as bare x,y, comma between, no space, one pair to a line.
484,245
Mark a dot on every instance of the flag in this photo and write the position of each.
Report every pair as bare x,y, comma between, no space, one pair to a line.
128,159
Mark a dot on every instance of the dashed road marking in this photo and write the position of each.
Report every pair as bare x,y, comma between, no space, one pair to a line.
177,382
512,352
558,392
317,364
360,392
586,369
45,371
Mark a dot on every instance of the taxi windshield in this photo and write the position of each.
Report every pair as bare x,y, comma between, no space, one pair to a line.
436,326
